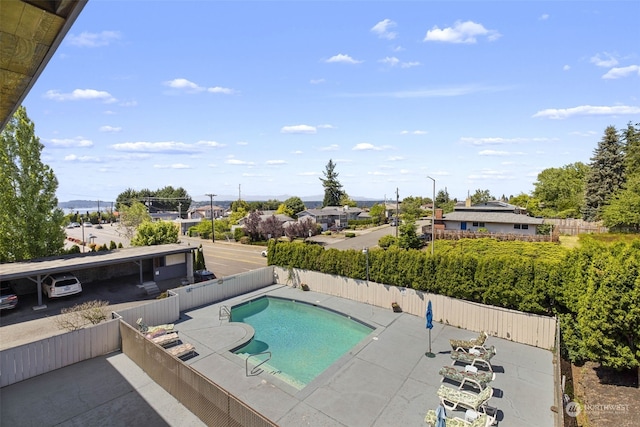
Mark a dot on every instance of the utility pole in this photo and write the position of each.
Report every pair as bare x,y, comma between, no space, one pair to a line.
433,215
213,230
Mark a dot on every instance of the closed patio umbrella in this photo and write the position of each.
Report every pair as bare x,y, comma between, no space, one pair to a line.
441,416
429,327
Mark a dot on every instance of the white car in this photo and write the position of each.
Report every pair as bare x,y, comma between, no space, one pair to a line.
61,285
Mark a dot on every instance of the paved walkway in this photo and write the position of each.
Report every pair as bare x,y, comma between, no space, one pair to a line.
386,380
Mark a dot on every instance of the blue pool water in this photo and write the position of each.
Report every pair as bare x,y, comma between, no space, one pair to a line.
303,339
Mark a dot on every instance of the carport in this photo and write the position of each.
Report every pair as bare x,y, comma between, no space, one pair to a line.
169,261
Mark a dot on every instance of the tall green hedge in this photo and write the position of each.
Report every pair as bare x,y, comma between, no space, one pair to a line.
593,289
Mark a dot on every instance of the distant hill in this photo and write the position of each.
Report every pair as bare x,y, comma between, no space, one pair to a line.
311,202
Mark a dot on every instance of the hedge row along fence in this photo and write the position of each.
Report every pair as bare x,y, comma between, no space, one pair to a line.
593,289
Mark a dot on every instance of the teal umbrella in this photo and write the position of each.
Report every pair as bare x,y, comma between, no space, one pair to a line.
429,327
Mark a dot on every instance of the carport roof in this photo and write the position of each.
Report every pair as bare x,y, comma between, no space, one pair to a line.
61,264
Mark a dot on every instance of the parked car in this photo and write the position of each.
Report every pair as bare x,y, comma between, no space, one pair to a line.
61,285
87,224
203,275
73,225
425,236
8,299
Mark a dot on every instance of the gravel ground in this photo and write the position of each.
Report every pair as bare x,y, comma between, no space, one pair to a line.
33,330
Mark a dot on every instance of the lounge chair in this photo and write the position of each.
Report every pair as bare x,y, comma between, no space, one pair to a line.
166,339
146,329
466,344
468,375
483,420
475,356
181,350
453,398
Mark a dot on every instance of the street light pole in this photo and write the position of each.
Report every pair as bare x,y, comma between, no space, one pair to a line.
213,229
365,251
433,215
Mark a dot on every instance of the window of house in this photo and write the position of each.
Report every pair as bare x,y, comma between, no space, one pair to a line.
516,226
525,226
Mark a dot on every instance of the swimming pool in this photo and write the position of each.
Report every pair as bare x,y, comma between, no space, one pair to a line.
303,339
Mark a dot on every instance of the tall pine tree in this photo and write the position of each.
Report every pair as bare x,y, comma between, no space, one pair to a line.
332,188
30,220
605,175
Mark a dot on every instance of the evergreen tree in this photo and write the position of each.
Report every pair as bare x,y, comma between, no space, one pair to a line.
631,145
605,175
30,220
332,188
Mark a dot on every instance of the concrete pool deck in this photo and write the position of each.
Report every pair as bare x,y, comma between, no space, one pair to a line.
386,380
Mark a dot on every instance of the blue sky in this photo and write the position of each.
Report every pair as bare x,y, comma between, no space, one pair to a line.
221,97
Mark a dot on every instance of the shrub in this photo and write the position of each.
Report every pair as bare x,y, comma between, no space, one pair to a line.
238,234
349,234
245,240
81,315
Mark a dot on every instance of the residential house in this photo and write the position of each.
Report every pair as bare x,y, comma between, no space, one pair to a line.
204,212
494,216
333,216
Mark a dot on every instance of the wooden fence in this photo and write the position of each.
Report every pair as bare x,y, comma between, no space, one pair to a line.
524,328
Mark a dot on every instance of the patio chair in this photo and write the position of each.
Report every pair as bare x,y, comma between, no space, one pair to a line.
166,339
466,344
475,356
453,398
471,376
483,420
181,350
146,329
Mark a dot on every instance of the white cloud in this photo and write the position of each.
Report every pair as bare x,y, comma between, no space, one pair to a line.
499,140
617,73
327,126
390,60
378,173
79,94
173,166
156,147
395,158
544,17
332,147
86,39
297,152
498,153
299,129
239,162
461,32
413,132
316,81
341,58
82,159
410,64
70,142
587,110
604,59
110,129
276,162
191,87
365,146
213,144
566,68
382,29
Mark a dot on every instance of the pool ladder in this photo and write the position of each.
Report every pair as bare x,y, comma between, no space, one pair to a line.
224,313
256,370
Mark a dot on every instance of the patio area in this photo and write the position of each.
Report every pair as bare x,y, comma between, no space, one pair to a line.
386,380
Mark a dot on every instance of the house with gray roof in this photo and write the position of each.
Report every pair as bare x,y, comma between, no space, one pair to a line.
333,216
495,216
